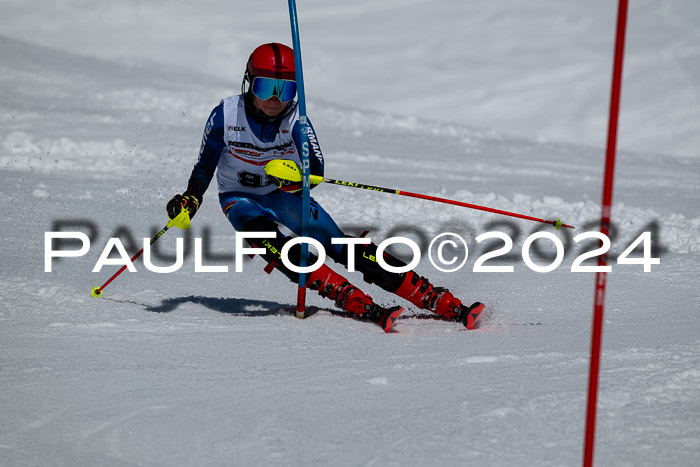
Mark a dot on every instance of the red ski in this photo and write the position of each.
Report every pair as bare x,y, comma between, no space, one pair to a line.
385,317
470,315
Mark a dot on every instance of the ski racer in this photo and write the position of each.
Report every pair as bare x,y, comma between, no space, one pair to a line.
246,131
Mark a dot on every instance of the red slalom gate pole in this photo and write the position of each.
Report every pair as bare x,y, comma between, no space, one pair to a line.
600,282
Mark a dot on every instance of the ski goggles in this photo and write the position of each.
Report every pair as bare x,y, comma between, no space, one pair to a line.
266,88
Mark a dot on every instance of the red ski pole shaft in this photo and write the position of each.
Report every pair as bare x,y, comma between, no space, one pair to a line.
121,270
98,290
556,223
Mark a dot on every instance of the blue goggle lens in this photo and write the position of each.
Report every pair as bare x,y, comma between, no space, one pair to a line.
266,88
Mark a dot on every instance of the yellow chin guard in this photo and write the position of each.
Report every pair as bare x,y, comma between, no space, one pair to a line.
288,170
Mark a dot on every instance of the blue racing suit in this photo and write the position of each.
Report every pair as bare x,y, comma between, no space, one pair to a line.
239,140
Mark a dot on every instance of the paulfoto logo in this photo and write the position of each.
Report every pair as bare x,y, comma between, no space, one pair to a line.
447,252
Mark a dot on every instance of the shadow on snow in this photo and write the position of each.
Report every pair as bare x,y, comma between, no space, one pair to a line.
250,307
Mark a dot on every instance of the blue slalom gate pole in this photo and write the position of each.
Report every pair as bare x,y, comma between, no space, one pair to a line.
306,185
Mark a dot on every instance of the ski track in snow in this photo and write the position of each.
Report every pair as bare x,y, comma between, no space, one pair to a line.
212,369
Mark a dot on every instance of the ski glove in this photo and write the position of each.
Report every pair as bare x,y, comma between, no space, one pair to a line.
186,200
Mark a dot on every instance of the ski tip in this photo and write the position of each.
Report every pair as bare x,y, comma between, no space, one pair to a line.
389,319
96,292
471,320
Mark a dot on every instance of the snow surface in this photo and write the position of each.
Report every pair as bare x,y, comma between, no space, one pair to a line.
212,369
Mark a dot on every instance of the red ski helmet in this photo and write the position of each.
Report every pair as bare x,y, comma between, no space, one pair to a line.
272,60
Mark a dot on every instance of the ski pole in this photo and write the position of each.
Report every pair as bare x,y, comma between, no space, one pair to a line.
286,170
182,221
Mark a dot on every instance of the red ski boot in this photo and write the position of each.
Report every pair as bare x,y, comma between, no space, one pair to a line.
419,291
349,298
